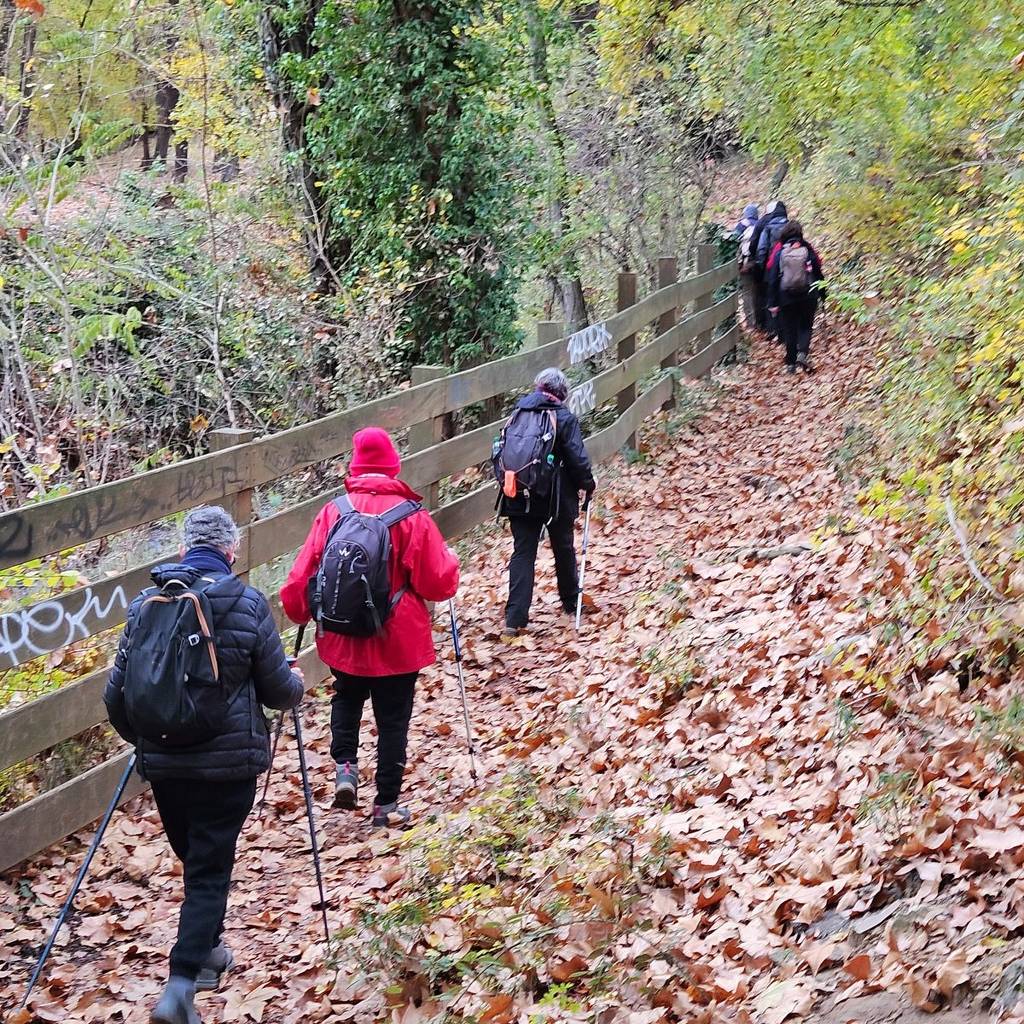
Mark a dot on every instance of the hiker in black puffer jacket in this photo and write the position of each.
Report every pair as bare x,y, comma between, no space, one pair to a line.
205,792
557,510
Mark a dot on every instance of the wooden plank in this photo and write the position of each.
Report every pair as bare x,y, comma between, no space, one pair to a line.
699,364
61,812
461,515
38,725
693,287
705,261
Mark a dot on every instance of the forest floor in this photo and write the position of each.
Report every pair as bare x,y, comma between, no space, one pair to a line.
691,811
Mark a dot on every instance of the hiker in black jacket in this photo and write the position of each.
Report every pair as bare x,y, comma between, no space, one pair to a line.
205,792
794,281
558,511
761,242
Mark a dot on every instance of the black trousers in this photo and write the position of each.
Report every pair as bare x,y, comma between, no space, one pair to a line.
522,568
392,699
202,821
796,321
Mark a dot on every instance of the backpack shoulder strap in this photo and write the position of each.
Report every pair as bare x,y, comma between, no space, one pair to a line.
344,505
401,511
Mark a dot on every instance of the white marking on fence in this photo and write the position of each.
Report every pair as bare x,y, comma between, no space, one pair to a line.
583,399
589,342
59,625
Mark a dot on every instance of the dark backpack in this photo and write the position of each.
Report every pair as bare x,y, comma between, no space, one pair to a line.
350,592
172,691
524,454
795,268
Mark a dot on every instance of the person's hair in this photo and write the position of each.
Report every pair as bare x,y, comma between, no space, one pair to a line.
553,381
792,229
210,526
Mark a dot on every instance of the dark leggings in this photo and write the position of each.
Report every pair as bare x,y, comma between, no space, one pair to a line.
521,570
392,699
796,321
202,821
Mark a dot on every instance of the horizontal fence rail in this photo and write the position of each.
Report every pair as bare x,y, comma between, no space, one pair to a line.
39,530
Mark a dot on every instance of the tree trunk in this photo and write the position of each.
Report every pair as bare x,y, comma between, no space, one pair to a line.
569,286
180,171
166,100
7,29
27,86
326,249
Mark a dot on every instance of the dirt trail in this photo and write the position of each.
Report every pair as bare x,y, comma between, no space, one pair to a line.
698,698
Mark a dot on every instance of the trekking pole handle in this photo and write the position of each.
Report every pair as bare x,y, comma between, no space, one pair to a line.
455,630
298,644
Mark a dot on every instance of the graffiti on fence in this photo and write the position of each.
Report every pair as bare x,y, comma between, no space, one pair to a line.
591,341
15,537
50,625
583,399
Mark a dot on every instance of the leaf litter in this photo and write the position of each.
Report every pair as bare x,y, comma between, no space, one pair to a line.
698,809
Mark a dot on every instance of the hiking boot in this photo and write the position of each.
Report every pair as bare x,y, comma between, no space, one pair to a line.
346,786
511,631
176,1005
804,362
790,368
391,816
585,609
220,960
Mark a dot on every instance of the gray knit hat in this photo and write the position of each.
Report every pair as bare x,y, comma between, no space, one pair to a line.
211,526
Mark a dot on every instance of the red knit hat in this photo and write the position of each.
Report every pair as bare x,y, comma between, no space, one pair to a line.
373,451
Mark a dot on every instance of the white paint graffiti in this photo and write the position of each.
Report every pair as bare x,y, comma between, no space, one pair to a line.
50,625
583,399
588,342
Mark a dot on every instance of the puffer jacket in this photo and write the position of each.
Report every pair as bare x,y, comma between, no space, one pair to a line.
777,297
573,474
252,666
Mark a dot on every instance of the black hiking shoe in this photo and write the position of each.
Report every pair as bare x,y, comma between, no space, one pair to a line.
391,816
346,786
510,631
790,368
804,362
218,963
176,1005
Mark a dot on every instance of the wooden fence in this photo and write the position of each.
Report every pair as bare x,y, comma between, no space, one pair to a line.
229,475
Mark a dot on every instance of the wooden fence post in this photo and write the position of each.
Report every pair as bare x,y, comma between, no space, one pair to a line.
705,262
240,504
626,297
668,273
429,432
548,331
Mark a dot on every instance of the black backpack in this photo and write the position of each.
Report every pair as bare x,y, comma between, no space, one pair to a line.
524,455
172,690
350,593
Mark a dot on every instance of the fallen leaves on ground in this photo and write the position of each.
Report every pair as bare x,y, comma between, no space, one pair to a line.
696,810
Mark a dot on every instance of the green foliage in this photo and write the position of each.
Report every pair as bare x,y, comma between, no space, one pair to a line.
413,146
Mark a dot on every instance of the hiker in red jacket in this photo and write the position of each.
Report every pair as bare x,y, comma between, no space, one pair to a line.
382,667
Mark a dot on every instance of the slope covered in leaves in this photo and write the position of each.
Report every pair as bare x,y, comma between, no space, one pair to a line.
696,810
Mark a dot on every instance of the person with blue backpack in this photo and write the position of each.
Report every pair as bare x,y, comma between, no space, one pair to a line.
199,659
541,466
372,561
762,240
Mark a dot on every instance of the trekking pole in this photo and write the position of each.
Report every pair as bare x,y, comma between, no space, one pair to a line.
279,724
69,902
583,564
312,821
462,689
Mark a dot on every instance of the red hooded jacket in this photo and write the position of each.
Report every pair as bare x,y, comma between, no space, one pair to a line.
420,559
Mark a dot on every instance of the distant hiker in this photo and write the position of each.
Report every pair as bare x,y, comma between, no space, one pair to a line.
372,560
744,233
761,242
747,221
198,659
542,466
793,280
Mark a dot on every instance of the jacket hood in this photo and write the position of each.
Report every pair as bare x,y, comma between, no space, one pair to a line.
750,212
779,213
165,572
375,484
538,400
